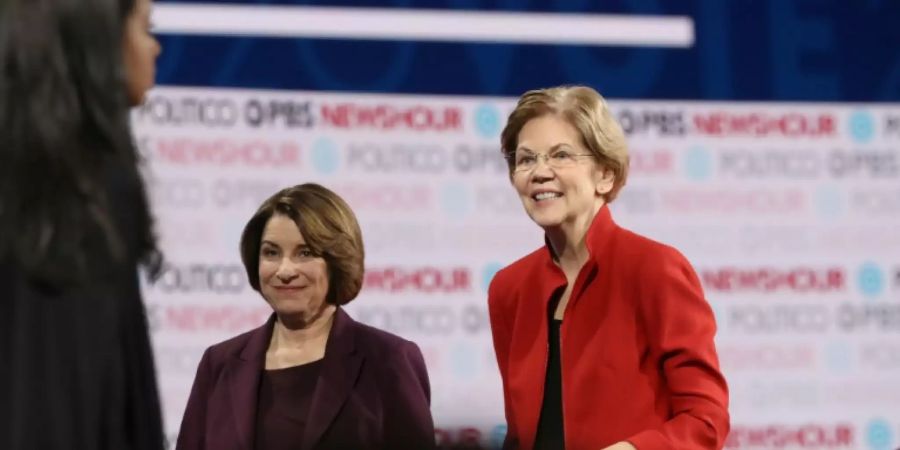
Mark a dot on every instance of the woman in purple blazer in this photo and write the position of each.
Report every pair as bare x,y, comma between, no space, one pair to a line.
310,377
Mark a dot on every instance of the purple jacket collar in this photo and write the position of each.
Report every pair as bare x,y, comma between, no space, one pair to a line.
340,367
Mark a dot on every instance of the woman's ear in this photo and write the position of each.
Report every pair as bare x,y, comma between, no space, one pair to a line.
605,179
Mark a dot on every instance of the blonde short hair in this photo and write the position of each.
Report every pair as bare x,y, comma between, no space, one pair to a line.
586,110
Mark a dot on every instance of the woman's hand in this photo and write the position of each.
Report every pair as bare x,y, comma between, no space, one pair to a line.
620,446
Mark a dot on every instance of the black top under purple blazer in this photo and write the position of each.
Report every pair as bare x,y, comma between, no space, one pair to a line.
372,393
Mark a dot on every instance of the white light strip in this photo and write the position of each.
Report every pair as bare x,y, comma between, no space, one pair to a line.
423,25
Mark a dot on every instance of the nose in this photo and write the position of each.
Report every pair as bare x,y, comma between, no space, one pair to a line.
542,169
286,272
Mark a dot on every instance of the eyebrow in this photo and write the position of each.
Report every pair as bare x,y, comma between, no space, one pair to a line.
552,149
268,242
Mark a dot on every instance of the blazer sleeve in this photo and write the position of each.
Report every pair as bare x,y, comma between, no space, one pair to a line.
192,435
407,420
680,328
501,333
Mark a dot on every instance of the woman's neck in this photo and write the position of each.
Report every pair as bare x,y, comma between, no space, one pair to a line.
299,334
568,241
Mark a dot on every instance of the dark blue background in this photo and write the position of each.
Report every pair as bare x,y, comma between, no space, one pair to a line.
837,50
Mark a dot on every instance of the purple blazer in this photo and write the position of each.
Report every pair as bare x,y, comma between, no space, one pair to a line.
372,393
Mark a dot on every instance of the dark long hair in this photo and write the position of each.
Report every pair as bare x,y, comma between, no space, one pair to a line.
64,131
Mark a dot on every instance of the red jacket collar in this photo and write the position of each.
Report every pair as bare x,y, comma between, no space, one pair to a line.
596,239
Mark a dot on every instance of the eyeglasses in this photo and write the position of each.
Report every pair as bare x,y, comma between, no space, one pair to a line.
560,159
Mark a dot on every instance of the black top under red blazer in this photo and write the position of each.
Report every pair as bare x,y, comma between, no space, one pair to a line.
372,393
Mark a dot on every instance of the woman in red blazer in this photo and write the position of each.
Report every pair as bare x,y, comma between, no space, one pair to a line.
311,377
602,336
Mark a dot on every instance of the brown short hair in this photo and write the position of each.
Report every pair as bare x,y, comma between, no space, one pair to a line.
329,227
588,112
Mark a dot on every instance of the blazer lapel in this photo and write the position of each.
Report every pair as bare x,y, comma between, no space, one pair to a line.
531,349
243,373
340,369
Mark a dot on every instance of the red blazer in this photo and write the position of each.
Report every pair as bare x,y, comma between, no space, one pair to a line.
638,358
372,393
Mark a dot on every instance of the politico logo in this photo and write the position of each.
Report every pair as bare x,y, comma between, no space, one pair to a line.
811,436
742,163
423,320
775,280
424,158
384,117
210,112
425,280
763,124
373,157
777,318
201,278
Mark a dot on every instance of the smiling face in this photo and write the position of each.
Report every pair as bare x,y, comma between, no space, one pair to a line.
292,279
554,197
